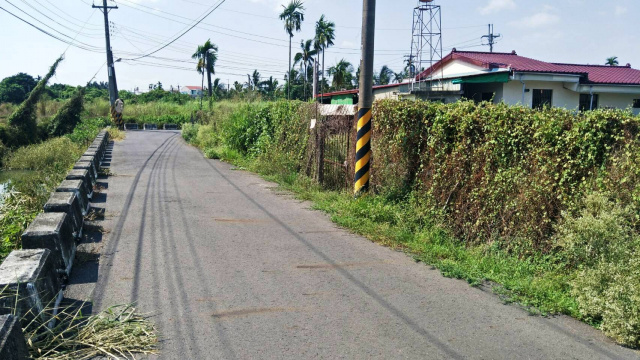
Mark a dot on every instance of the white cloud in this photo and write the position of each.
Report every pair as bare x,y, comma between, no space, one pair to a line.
620,10
497,5
537,20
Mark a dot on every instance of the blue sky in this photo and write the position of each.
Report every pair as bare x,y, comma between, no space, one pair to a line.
250,36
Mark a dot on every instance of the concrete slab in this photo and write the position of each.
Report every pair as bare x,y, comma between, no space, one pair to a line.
87,165
76,187
52,231
83,175
12,343
68,203
30,284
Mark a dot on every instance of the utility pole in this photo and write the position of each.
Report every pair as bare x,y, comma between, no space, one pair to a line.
113,86
365,101
491,38
315,79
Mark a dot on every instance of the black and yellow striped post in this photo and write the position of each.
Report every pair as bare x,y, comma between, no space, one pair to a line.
363,151
365,101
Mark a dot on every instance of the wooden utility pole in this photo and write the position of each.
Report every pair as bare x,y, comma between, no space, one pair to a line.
363,144
113,86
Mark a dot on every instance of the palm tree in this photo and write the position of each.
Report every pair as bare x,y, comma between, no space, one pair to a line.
293,16
218,88
207,55
325,34
612,61
305,57
398,77
384,77
255,79
270,86
342,74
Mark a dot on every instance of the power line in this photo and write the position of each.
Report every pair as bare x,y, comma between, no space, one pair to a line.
48,33
181,35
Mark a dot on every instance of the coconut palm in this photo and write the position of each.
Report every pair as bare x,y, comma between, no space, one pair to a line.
293,16
398,77
207,55
325,34
384,76
304,57
342,74
612,61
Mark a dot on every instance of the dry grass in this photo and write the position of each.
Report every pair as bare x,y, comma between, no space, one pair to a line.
116,134
116,333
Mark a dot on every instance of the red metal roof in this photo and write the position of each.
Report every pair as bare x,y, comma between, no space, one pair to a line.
597,74
194,87
355,91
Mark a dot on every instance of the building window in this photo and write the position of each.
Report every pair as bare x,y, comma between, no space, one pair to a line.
585,102
541,98
487,96
636,103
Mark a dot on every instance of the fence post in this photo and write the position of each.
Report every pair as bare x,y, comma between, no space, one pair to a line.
320,150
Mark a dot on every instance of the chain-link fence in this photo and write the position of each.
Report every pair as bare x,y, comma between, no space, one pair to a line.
330,159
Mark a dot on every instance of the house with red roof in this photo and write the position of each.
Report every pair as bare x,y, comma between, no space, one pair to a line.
194,91
515,79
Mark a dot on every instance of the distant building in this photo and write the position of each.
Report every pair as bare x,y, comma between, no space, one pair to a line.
514,79
194,91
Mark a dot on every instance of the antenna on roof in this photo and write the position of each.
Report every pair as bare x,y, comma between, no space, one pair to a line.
491,37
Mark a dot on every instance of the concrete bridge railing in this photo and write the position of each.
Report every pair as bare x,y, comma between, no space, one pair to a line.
33,279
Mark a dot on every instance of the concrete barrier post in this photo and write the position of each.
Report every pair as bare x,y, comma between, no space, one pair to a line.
76,187
92,160
84,176
86,165
52,231
12,343
30,284
68,203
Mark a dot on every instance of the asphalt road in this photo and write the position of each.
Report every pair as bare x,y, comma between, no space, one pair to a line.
232,269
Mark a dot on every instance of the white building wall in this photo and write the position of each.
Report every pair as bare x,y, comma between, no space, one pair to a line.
385,93
618,101
561,97
457,67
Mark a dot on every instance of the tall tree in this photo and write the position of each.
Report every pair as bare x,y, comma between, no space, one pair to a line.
384,77
304,57
14,89
293,16
612,61
325,34
207,55
342,74
255,79
399,77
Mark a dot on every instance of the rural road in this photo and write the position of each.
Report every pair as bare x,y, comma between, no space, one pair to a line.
231,269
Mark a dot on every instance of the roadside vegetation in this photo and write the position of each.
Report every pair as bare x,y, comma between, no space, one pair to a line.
543,206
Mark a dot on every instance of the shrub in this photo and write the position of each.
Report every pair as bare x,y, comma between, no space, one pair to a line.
601,232
87,130
610,294
58,153
189,132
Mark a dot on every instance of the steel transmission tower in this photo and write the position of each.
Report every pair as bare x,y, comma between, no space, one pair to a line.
426,41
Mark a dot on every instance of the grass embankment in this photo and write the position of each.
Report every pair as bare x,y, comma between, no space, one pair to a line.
542,203
45,165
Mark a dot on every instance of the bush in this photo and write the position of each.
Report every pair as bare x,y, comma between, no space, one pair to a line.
189,132
58,153
87,130
601,232
610,294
